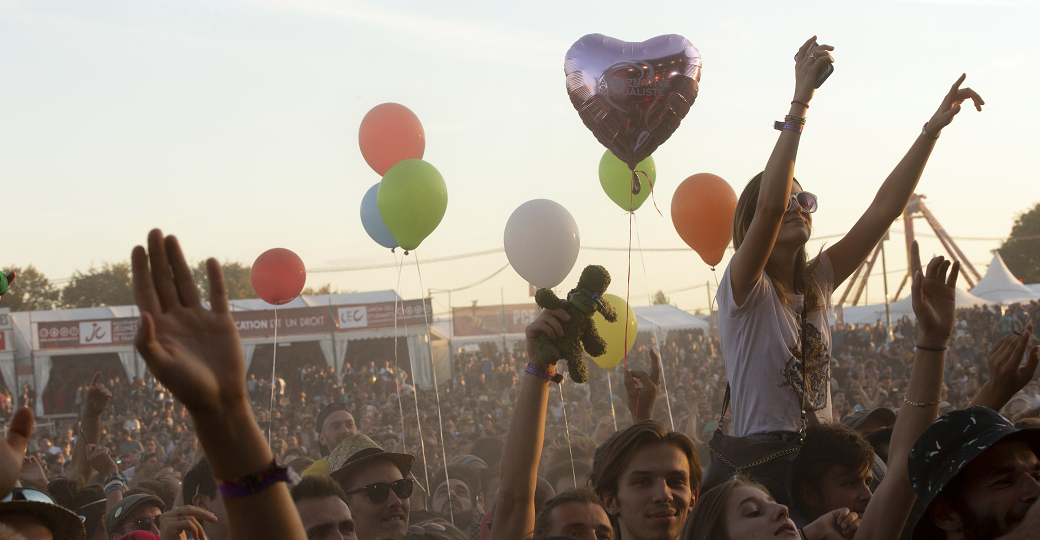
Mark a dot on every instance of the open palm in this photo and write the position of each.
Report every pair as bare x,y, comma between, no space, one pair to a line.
194,352
934,297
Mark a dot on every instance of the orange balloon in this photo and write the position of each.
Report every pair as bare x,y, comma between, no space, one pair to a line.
390,133
702,213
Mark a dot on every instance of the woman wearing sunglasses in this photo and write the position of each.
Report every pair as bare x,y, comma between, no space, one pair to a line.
774,302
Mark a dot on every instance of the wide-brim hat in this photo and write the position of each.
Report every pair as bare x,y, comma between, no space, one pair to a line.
357,451
63,523
117,515
881,415
948,446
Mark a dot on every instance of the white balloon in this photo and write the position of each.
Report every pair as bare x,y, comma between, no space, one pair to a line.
542,242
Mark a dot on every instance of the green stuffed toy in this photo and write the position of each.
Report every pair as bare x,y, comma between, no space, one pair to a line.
5,280
578,333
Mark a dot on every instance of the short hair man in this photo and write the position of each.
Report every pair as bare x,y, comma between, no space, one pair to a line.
832,470
134,513
376,485
975,475
458,498
199,489
577,514
648,479
323,509
334,423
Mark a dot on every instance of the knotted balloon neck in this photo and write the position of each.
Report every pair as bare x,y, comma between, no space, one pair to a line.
637,186
586,301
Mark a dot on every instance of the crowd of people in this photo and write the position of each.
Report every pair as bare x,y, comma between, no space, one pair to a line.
779,424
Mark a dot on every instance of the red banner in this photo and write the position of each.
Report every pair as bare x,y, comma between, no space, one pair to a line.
490,320
94,333
252,324
381,315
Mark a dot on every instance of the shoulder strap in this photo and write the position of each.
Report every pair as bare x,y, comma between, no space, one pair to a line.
725,407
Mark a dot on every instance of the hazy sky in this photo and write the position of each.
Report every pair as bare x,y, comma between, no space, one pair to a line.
234,125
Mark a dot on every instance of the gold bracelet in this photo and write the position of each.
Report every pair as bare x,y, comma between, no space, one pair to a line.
916,404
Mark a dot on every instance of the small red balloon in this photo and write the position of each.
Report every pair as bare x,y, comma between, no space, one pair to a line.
278,276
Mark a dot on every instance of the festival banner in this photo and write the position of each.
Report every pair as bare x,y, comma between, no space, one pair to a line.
381,315
91,333
310,320
491,320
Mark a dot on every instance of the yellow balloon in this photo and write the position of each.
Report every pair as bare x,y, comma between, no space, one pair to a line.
614,332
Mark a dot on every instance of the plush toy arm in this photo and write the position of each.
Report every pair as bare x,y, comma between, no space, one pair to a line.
594,344
608,312
547,299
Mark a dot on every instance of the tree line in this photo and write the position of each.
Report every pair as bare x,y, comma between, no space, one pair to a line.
111,285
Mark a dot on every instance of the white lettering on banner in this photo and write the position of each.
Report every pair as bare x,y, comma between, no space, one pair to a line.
252,325
524,317
95,332
353,317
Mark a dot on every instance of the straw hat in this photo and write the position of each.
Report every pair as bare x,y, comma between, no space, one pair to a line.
357,451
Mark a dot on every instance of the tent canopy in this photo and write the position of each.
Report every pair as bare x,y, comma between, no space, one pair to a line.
1000,285
666,317
876,312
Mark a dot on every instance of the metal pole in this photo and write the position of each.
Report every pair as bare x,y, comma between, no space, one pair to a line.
884,281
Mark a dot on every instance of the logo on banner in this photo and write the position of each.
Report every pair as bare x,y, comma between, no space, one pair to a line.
353,317
95,332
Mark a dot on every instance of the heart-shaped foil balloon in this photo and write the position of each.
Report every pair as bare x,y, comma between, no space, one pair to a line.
632,96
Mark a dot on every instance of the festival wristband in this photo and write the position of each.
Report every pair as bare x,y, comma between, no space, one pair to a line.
788,126
253,483
548,373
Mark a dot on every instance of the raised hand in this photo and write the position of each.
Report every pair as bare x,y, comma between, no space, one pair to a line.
951,105
642,388
808,62
193,351
183,522
836,524
548,323
1007,373
32,474
97,396
12,450
100,460
934,298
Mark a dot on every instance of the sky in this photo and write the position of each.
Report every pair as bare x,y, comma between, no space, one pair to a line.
234,126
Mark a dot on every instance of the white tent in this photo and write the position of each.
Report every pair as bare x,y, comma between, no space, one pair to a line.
1035,287
999,285
876,312
666,317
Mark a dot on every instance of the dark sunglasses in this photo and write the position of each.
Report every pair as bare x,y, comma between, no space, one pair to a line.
379,491
145,524
806,200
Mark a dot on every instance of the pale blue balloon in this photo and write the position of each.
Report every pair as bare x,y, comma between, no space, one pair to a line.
373,222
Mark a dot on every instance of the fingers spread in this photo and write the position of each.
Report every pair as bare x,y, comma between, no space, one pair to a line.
957,85
162,278
186,289
218,295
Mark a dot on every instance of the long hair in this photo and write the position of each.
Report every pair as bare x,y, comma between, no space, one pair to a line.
804,281
614,455
708,519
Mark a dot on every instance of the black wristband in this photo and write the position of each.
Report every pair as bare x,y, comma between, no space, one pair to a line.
937,349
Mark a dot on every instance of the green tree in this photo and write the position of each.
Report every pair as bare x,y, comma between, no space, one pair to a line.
660,299
31,291
324,289
1021,250
109,285
236,275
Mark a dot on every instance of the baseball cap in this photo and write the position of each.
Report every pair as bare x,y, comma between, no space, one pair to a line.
949,445
118,514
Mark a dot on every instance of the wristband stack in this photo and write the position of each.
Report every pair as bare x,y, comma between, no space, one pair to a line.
253,483
790,123
115,482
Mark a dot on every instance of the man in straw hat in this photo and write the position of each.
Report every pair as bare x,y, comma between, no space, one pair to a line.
34,515
977,477
376,484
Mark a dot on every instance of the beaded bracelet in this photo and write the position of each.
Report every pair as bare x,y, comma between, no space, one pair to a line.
548,373
253,483
917,404
114,484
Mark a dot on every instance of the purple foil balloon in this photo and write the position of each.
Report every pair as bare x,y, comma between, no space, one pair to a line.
632,96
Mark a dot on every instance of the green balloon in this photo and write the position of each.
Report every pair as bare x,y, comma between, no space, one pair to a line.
412,199
616,180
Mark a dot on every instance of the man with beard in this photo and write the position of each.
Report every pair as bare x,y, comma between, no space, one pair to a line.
458,498
976,476
334,424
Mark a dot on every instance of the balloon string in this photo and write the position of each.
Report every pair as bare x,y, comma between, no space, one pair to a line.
610,389
567,427
274,359
653,325
437,391
628,288
397,383
652,198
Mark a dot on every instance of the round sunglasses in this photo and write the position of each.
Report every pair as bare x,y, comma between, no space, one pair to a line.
806,201
380,491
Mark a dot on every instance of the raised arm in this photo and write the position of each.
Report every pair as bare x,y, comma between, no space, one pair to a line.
751,256
197,355
1007,374
514,513
895,192
643,395
94,404
934,301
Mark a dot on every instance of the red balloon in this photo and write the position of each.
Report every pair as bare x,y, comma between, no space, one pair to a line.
702,212
390,133
278,276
